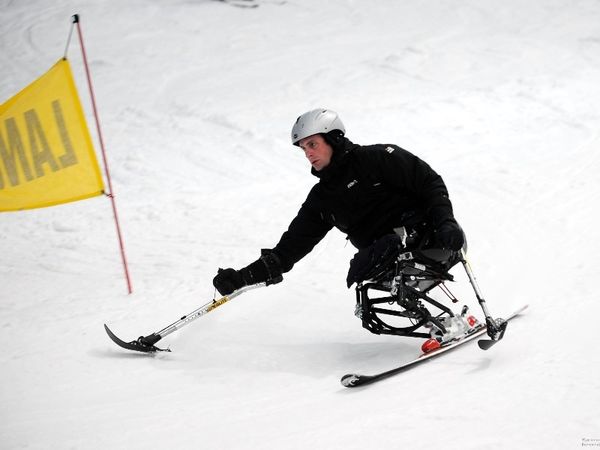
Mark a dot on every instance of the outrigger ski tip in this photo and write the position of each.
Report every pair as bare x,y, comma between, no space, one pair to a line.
144,344
495,330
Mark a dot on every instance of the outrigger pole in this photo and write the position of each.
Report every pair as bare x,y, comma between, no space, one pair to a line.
495,327
145,344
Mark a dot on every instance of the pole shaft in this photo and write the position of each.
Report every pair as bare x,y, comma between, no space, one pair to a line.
474,284
204,309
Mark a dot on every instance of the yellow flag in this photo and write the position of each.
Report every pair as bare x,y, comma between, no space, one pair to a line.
46,153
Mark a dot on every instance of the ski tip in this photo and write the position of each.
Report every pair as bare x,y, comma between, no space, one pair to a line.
350,380
354,380
486,344
108,331
113,336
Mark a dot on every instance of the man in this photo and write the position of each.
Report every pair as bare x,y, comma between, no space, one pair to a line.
367,192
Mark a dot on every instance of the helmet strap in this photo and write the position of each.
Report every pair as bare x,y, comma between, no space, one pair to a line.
334,138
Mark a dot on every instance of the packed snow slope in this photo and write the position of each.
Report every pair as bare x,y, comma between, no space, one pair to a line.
197,99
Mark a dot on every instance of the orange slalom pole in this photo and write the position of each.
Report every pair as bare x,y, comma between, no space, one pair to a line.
110,193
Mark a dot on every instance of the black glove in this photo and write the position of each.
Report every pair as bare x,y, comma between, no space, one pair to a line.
228,280
449,235
267,269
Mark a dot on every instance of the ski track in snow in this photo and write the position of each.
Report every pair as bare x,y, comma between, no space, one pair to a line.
197,99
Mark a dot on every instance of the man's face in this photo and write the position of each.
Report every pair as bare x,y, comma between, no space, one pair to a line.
317,151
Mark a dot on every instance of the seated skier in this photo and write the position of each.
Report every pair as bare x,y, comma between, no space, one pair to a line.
368,192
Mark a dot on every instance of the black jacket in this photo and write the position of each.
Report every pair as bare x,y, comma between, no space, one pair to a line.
365,191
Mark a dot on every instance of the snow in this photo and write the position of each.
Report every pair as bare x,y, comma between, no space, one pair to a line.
197,99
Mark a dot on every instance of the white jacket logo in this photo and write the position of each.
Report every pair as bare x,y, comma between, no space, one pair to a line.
352,183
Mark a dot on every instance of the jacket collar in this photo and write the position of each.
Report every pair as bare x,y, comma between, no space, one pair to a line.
339,159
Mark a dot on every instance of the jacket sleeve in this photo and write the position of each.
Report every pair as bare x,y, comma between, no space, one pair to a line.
405,171
305,231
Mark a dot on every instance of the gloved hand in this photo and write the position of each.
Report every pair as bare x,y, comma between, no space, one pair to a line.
267,269
228,280
449,235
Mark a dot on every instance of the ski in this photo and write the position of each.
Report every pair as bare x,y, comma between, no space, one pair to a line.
355,379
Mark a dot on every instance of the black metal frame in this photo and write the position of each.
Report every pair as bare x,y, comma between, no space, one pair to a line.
408,280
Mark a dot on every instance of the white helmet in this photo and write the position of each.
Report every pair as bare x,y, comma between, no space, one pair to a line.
315,122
